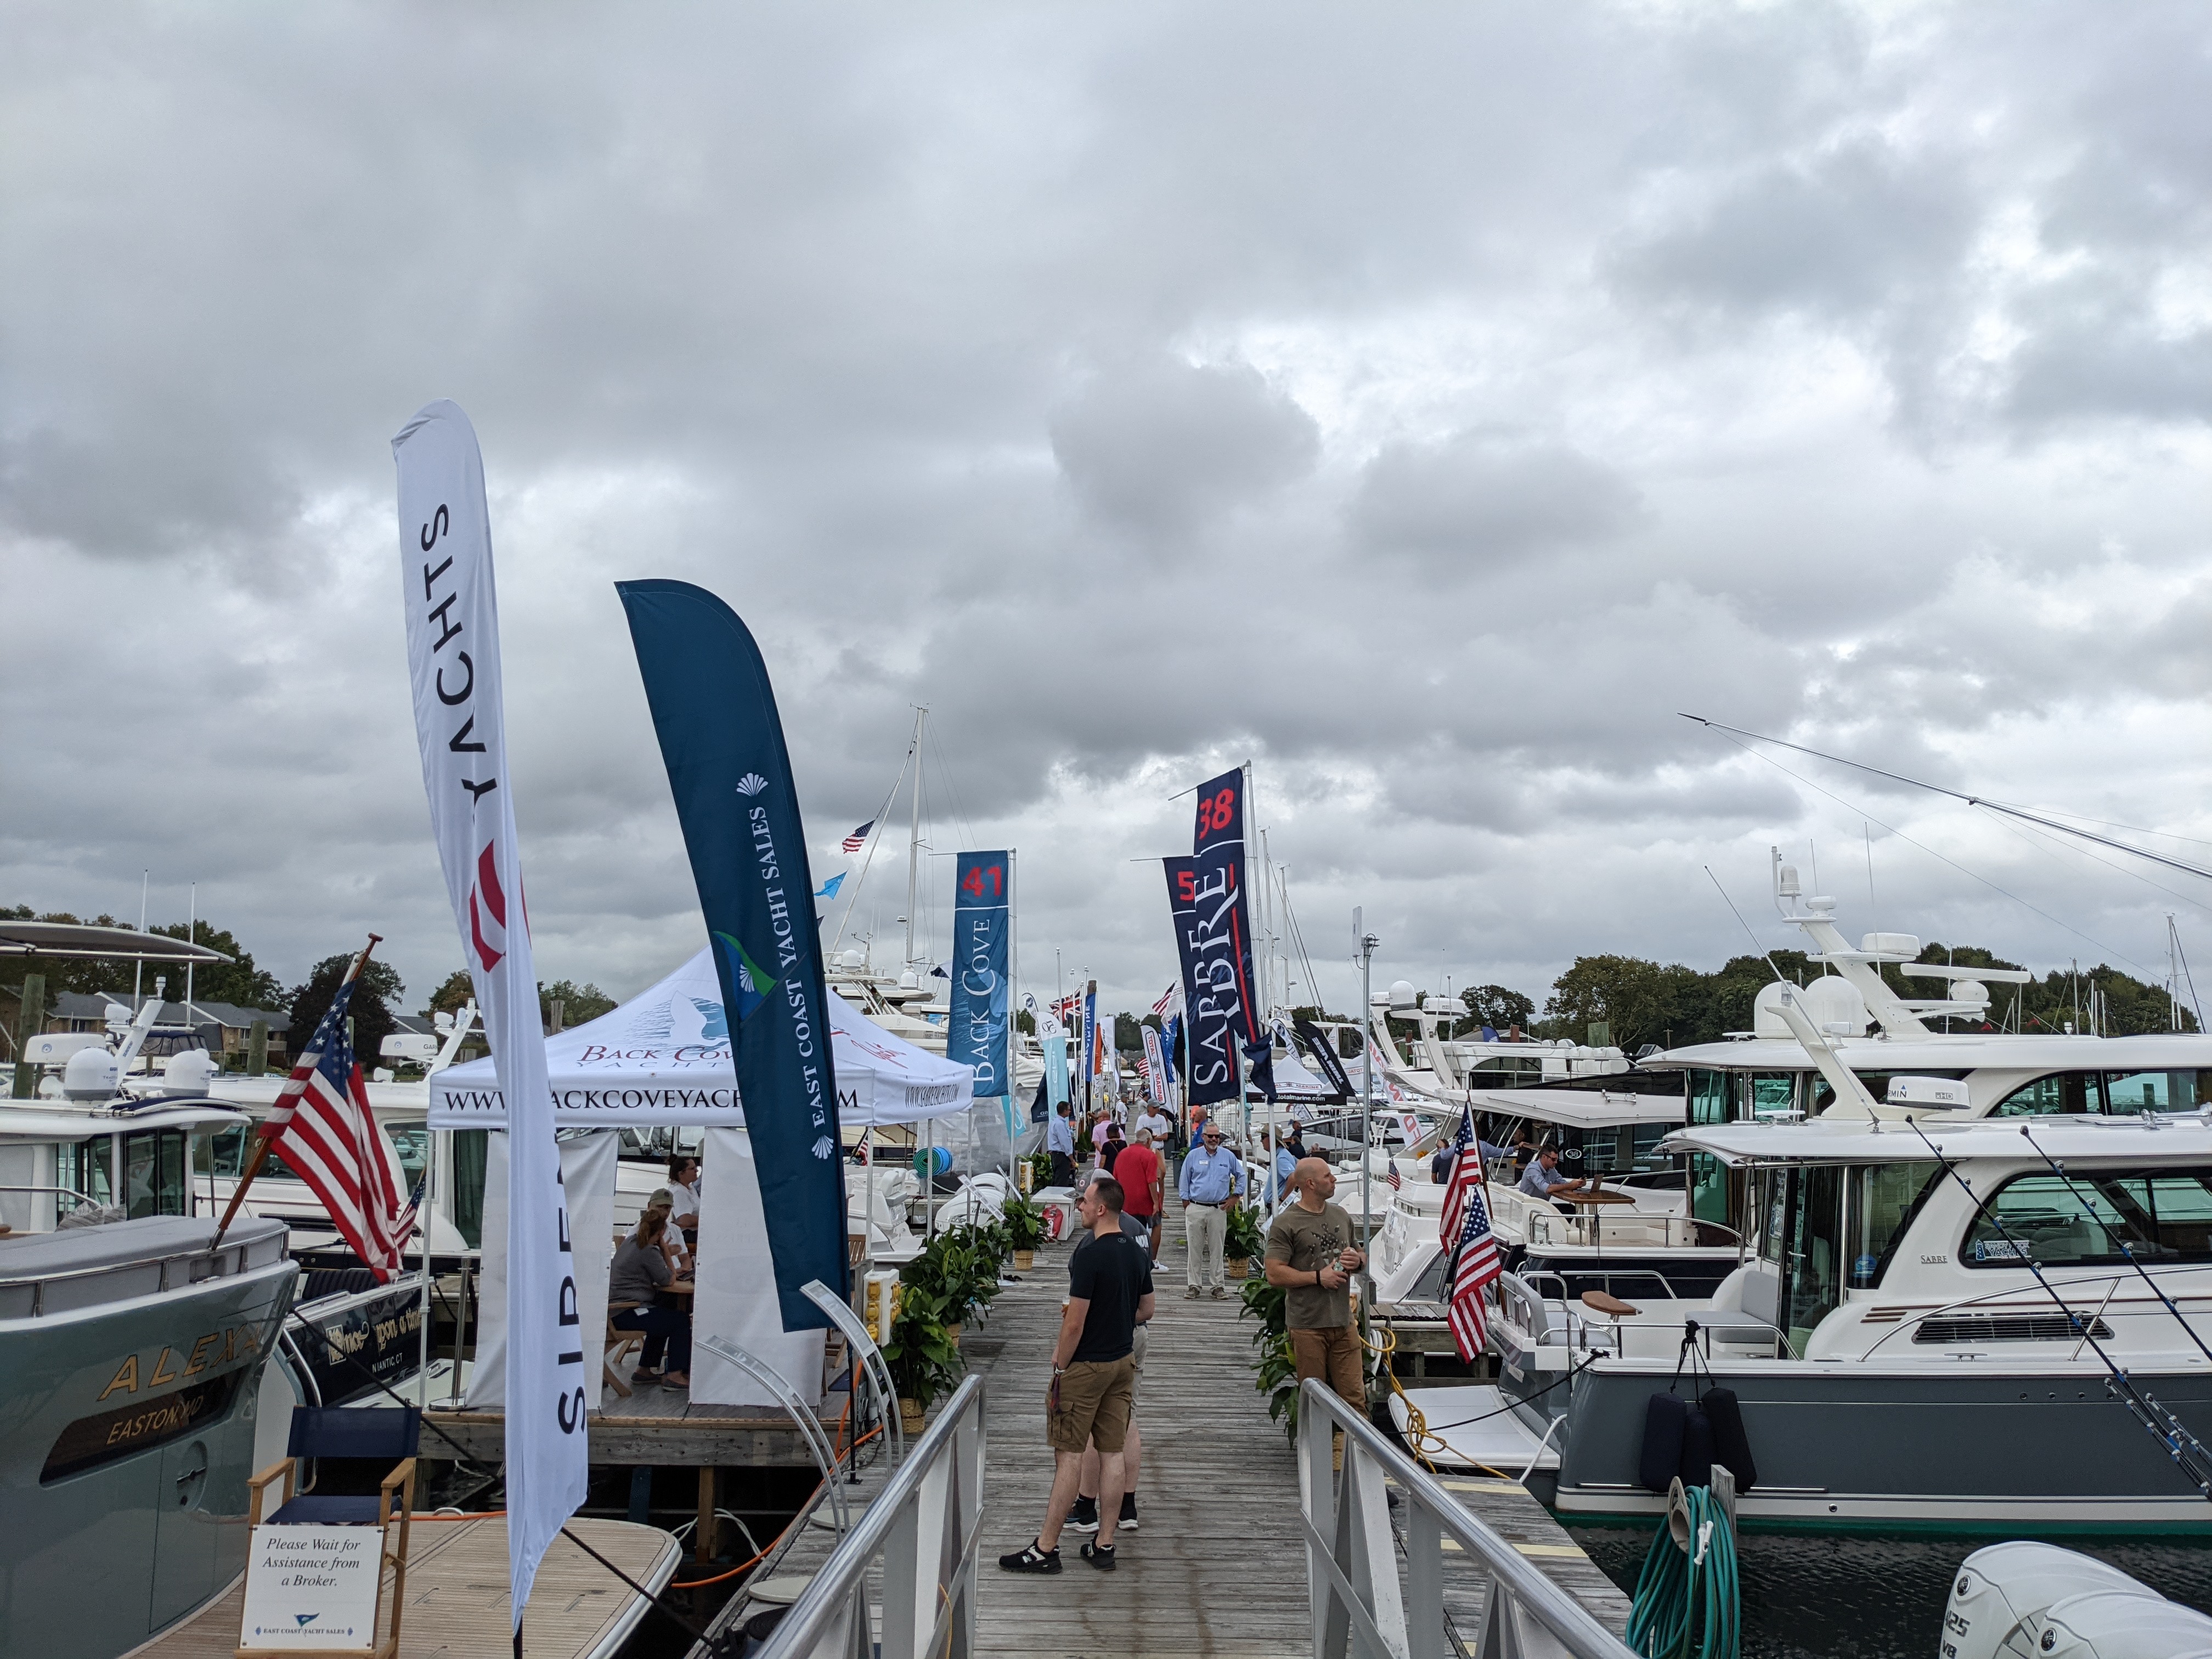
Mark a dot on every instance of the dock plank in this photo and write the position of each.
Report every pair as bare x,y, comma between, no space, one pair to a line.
457,1594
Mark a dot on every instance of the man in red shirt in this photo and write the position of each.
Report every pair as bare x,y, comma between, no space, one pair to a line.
1140,1171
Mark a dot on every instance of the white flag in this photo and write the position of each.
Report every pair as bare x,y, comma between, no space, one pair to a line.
453,656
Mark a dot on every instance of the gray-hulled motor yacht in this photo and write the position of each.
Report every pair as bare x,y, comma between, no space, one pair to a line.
1992,1325
132,1354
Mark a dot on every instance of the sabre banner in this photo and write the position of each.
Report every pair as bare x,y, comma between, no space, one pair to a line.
976,1030
722,741
453,659
1214,938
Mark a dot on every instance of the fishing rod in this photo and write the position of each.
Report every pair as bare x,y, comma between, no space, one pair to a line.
2187,1452
2127,1254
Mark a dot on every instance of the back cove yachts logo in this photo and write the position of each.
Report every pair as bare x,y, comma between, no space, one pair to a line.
751,784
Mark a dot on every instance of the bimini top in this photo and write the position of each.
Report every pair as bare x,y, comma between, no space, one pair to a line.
2184,1136
71,938
664,1057
57,1120
1580,1109
1953,1052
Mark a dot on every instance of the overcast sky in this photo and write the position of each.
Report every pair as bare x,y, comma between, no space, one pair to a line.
1425,403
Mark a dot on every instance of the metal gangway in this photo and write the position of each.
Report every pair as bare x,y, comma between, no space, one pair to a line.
901,1584
904,1582
1371,1600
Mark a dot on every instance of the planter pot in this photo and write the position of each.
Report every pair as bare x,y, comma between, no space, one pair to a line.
952,1332
910,1416
1024,1261
1237,1267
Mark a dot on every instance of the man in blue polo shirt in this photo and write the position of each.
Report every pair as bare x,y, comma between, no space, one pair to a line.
1213,1181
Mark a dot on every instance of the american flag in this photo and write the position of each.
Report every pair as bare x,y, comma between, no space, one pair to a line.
1474,1266
323,1127
1396,1180
1465,1174
859,838
1170,998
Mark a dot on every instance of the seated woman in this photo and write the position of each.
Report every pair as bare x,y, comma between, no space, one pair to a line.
644,1262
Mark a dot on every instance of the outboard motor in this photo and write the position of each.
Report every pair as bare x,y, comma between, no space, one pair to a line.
2003,1595
2114,1625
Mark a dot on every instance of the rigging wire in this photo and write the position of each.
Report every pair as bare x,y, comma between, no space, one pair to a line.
2188,1453
1923,846
1976,800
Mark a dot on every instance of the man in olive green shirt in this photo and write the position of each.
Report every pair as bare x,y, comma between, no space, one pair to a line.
1310,1255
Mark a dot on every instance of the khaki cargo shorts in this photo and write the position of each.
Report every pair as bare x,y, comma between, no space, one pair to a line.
1095,1396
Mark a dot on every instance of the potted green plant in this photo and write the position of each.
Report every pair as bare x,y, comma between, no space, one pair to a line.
1025,1225
925,1361
1277,1366
1242,1241
1038,1165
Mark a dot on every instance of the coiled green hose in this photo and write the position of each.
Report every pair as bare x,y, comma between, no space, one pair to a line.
1688,1598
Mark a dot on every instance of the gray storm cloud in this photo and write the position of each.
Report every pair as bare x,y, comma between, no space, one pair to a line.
1423,406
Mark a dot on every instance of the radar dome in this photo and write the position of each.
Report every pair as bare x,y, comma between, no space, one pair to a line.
90,1075
188,1073
1401,993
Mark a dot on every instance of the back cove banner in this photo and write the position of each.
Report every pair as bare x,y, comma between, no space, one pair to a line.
722,741
976,1030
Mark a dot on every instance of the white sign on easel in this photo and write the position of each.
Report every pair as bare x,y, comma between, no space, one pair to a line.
311,1590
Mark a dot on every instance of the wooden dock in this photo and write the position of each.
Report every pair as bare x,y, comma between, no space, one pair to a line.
1218,1563
456,1595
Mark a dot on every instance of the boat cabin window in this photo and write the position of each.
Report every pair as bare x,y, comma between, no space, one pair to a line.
2117,1093
1884,1199
411,1141
1765,1094
227,1152
2085,1220
153,1176
1709,1096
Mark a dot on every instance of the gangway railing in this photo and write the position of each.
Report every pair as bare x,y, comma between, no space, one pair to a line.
923,1529
1363,1605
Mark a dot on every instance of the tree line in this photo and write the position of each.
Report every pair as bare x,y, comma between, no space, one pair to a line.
243,983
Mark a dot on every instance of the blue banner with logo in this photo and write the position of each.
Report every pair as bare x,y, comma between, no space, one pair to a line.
1213,942
715,713
975,1032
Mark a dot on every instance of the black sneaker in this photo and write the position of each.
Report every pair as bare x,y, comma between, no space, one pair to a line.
1033,1559
1084,1517
1128,1511
1102,1558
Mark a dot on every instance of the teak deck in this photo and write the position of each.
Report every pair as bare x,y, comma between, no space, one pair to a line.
1218,1565
457,1594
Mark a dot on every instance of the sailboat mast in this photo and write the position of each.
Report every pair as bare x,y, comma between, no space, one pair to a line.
914,834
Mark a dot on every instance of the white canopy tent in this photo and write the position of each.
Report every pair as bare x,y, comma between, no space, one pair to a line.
664,1057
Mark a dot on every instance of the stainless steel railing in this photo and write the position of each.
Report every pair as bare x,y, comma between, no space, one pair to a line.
1360,1606
923,1527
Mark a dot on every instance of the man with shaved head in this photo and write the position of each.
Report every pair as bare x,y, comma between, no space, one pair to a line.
1310,1255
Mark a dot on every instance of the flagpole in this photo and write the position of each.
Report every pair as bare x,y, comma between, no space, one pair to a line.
293,1086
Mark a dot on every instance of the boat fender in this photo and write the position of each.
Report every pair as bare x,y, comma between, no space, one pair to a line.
1665,1419
1697,1468
1731,1445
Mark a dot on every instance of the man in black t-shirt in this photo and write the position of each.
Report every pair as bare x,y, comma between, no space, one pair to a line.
1110,1286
